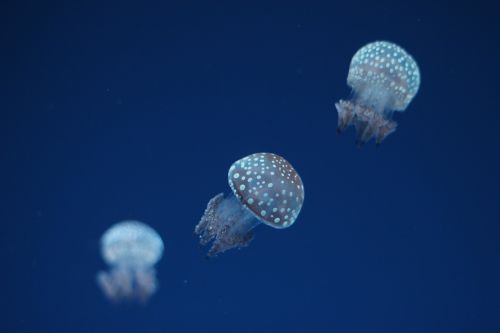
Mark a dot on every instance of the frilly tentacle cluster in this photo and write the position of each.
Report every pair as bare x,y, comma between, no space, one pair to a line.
368,123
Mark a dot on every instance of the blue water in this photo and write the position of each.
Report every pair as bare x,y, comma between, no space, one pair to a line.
136,110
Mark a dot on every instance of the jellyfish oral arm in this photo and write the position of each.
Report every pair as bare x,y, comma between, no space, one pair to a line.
368,122
345,112
122,283
105,282
227,223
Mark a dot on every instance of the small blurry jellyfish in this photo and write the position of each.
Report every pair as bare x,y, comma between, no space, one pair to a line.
132,249
266,189
384,78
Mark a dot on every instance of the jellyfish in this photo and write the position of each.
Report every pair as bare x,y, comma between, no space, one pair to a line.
384,78
132,249
265,189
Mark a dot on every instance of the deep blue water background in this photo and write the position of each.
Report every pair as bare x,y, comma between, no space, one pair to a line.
136,110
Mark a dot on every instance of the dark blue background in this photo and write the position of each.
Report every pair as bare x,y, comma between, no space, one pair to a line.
136,110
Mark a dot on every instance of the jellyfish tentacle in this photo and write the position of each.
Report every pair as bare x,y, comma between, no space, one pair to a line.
384,130
346,111
227,223
226,243
366,125
146,284
205,228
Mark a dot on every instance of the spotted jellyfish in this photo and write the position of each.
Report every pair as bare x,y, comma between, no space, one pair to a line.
132,249
384,78
266,189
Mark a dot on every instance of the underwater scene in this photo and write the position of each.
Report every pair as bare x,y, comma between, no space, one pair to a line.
242,166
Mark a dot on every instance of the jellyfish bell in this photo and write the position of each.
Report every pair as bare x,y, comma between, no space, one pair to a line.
266,189
131,249
131,243
384,78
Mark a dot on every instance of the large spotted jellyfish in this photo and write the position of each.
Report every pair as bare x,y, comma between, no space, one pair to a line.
132,249
384,78
266,189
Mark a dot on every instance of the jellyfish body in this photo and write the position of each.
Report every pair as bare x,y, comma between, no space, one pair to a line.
384,78
131,249
265,189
